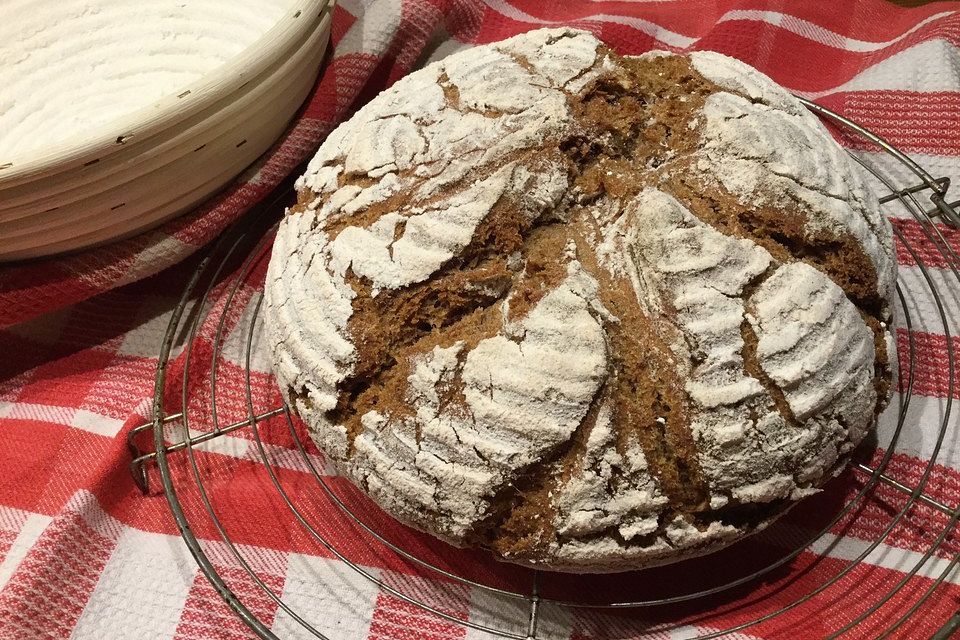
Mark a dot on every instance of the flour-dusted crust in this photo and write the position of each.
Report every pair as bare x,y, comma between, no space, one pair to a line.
591,312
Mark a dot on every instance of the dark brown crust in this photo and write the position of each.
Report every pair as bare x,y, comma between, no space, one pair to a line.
438,312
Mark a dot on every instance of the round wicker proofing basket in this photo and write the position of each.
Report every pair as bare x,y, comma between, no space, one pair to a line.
159,161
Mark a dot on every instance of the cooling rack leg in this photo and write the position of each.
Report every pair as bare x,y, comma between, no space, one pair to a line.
138,466
534,608
140,458
139,473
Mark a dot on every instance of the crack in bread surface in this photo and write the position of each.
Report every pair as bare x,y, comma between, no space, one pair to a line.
633,128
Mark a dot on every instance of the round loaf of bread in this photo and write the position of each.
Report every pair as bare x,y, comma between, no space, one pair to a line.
588,311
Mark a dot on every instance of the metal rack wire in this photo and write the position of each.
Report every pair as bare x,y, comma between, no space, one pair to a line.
212,336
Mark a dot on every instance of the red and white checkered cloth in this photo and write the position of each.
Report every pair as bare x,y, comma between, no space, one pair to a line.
83,554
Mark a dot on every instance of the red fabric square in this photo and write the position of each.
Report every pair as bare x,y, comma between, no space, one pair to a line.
26,460
81,457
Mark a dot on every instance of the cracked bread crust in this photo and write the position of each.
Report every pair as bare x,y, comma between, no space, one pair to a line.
590,312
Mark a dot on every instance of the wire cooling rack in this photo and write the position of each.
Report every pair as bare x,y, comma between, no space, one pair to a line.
209,398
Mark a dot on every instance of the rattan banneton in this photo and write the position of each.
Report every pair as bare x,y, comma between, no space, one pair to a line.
176,440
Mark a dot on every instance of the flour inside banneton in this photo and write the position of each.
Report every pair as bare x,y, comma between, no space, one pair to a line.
590,312
69,67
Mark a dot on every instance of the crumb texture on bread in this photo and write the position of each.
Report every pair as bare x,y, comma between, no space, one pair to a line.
588,311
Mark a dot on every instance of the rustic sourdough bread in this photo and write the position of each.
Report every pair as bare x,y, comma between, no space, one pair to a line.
590,312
